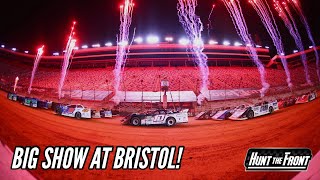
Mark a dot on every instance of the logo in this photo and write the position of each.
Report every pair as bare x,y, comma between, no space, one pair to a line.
276,159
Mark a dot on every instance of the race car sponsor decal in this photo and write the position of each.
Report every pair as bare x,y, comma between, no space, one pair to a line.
85,110
158,118
276,159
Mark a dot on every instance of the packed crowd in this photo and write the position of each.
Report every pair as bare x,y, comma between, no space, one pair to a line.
149,78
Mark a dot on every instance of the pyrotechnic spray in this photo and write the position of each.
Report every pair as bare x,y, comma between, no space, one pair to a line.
290,24
239,22
15,84
266,16
35,67
193,27
209,20
298,8
71,43
123,47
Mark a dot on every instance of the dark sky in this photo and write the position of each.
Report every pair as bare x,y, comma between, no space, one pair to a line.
28,24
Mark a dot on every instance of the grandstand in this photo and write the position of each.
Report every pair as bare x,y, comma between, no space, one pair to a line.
90,78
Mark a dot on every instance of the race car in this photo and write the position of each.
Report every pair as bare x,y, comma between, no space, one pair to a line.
306,98
104,113
31,102
283,103
20,99
206,115
16,97
158,117
248,112
76,111
44,104
223,114
13,97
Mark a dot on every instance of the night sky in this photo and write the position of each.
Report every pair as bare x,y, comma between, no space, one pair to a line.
29,24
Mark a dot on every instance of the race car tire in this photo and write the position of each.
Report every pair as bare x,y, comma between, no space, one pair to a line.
271,110
78,115
59,111
206,116
171,122
250,114
135,121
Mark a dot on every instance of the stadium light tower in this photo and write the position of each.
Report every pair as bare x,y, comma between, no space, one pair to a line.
226,43
14,49
138,40
123,43
198,42
27,52
295,51
213,42
237,44
184,41
96,45
168,39
3,46
108,44
84,47
153,39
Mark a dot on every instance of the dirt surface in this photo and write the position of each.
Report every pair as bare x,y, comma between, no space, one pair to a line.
213,149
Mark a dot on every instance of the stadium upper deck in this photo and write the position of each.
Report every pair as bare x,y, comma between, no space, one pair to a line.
148,55
160,55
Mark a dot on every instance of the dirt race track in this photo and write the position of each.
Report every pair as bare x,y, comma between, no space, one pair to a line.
213,149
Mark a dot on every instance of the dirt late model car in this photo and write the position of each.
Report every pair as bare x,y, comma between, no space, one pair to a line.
16,97
206,115
76,111
31,102
103,113
283,103
158,117
223,114
306,98
12,96
248,112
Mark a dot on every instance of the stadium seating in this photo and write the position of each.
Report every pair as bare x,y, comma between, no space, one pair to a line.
149,78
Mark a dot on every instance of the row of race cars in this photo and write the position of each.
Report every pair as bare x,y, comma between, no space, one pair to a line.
160,117
244,112
75,111
167,117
